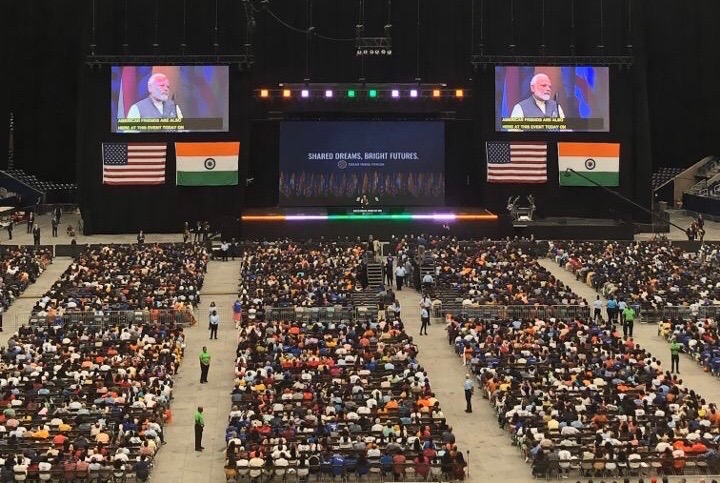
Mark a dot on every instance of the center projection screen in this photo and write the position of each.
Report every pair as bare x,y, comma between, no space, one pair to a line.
552,98
362,163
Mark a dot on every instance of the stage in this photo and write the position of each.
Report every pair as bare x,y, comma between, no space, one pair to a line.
303,223
569,228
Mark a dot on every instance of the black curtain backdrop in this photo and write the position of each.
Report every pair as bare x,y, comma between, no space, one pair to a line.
662,110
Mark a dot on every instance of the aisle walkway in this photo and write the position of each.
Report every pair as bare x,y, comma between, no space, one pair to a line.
492,456
19,311
178,462
646,335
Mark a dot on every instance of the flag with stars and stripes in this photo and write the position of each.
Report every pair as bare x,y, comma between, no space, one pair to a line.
516,162
134,163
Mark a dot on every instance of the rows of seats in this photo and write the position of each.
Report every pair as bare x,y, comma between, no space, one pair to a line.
334,399
289,274
128,278
38,184
578,398
663,175
19,267
653,274
86,401
495,273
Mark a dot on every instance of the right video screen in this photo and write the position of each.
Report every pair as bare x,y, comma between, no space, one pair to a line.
558,98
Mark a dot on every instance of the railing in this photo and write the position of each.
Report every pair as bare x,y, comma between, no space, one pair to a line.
122,318
323,314
516,311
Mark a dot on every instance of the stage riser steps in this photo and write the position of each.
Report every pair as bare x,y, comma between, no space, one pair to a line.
375,274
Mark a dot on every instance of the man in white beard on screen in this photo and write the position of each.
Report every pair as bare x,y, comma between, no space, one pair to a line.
540,103
158,103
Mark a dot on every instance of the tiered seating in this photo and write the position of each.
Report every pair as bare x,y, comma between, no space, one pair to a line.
128,278
663,175
38,184
654,274
588,402
19,267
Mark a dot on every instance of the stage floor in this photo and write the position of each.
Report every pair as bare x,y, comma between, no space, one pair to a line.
377,221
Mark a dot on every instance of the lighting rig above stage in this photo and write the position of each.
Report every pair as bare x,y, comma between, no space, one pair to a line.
408,98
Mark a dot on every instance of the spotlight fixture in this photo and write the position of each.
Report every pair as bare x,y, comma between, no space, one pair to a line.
413,93
328,93
264,93
395,93
287,93
305,93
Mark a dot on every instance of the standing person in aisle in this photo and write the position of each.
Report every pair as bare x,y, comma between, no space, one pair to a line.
597,309
214,323
468,386
204,365
424,320
612,310
199,426
399,275
675,349
237,312
628,320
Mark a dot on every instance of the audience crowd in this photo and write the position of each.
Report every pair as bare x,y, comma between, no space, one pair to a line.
90,401
578,397
19,267
289,274
335,396
128,277
653,274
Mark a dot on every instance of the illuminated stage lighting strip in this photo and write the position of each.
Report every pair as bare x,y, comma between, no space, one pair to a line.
371,217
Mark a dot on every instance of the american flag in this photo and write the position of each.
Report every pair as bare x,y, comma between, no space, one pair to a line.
134,163
517,162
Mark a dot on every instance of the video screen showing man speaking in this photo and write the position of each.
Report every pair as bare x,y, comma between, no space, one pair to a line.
537,98
169,99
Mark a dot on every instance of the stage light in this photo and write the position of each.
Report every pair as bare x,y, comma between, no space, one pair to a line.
365,52
459,93
395,93
328,93
286,93
372,93
383,51
358,53
264,93
389,52
305,93
436,92
413,93
351,93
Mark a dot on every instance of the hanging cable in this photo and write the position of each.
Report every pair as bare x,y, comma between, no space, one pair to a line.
304,31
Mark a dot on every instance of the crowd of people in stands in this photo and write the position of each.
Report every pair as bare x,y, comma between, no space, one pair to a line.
128,277
19,267
287,274
653,274
90,401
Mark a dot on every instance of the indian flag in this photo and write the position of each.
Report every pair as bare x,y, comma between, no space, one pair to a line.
599,162
207,164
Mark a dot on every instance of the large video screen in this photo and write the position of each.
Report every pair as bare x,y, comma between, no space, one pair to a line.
362,164
535,98
177,98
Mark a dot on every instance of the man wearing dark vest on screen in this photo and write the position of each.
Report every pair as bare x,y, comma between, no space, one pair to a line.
540,102
158,103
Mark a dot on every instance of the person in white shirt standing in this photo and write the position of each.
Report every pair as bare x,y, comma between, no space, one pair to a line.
399,276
